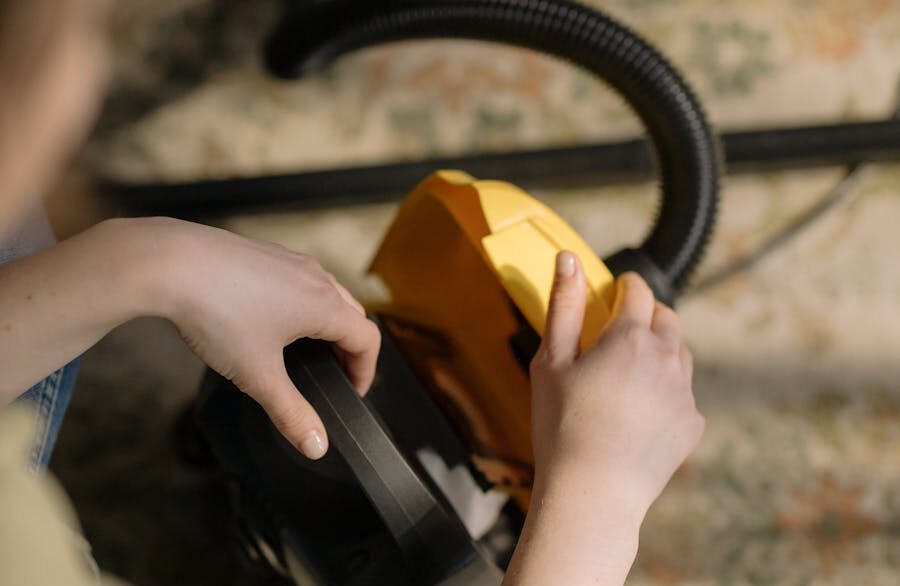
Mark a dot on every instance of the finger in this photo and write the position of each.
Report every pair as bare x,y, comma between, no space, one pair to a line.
311,263
666,325
565,313
346,295
634,300
358,339
293,416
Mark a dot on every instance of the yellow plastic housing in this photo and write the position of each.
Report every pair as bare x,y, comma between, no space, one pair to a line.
525,238
469,266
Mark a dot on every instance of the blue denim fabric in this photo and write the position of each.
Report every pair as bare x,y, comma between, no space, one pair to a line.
50,398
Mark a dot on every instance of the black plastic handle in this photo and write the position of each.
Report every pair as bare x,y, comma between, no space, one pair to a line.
687,153
433,540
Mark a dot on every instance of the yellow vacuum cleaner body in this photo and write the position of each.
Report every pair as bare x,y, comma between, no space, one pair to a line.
415,476
469,266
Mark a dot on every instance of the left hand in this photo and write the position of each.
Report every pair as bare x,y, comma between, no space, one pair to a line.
239,302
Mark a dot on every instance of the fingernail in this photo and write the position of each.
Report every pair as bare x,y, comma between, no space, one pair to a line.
565,264
313,445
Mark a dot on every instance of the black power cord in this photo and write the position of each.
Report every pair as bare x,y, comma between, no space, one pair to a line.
844,190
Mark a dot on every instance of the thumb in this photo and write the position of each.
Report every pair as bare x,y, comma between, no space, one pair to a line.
565,313
293,416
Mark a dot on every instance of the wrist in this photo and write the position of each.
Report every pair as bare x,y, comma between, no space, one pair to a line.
145,262
576,529
598,489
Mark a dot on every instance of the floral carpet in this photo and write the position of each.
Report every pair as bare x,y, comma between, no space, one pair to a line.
797,480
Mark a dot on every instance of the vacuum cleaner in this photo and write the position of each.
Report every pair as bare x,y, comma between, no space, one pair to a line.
428,477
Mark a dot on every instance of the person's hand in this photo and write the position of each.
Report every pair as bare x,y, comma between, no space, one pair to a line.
621,413
610,425
239,302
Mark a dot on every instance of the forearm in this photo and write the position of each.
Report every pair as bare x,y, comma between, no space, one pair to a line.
59,302
578,531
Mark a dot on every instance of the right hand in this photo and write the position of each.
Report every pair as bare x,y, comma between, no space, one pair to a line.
621,413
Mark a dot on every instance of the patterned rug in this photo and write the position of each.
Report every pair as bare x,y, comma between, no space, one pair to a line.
797,480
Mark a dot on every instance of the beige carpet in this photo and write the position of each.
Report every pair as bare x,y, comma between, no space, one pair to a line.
797,480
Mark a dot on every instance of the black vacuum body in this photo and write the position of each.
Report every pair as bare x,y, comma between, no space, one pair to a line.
367,512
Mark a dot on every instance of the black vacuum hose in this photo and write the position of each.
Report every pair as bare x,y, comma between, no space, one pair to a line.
687,153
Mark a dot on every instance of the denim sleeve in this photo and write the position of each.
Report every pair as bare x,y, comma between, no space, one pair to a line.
49,398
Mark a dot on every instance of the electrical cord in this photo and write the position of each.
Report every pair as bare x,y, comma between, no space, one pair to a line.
842,192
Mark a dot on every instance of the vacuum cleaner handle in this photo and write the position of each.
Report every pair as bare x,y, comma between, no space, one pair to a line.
687,153
433,540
